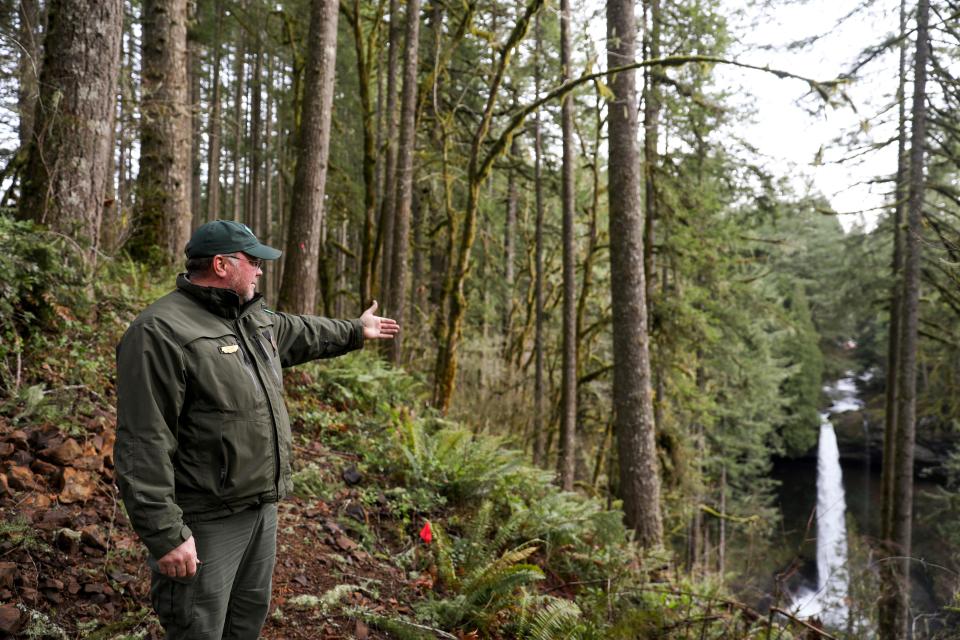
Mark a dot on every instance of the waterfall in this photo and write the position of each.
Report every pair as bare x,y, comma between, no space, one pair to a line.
828,602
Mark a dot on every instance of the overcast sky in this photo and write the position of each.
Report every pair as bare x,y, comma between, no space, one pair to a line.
783,128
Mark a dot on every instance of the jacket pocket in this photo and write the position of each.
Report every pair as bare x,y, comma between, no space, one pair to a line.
248,454
223,375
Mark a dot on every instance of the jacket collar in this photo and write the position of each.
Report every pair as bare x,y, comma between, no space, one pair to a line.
222,302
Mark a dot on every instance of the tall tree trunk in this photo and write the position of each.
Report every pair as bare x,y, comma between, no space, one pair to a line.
365,56
568,402
900,206
397,294
28,66
418,287
478,168
651,166
66,174
894,611
637,455
388,205
163,184
722,524
239,122
267,223
215,142
539,425
509,247
195,55
256,141
298,291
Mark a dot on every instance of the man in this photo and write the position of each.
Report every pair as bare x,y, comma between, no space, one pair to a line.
203,438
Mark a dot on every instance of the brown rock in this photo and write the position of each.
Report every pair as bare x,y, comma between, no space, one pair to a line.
21,457
64,453
361,631
346,543
18,439
107,449
6,448
78,486
8,574
90,535
44,468
43,437
37,501
4,485
73,587
21,478
67,540
54,519
29,595
52,583
93,587
90,463
53,596
11,619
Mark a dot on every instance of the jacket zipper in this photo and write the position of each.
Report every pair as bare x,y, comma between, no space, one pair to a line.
273,418
266,356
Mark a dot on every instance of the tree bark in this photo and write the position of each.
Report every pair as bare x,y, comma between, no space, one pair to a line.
895,606
298,292
256,142
66,171
215,137
28,66
367,50
637,455
239,122
509,247
568,402
405,154
388,205
195,54
163,184
539,426
478,168
900,205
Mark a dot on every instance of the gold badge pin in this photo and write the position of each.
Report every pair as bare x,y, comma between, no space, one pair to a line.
230,348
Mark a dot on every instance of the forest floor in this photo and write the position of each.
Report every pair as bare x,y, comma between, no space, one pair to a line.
70,565
509,555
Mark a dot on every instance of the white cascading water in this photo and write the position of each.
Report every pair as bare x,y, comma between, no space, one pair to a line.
828,602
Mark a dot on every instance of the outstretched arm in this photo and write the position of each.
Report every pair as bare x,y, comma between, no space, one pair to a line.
376,327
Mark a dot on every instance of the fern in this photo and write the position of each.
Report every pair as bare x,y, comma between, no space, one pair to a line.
557,620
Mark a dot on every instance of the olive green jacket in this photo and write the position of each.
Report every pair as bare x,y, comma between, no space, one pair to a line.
202,429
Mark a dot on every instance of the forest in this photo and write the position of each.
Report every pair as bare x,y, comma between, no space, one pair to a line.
648,384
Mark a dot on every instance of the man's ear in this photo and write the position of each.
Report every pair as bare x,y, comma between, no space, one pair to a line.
219,266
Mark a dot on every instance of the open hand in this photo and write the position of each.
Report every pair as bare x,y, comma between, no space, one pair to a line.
377,328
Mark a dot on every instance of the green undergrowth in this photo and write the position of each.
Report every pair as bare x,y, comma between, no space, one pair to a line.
511,556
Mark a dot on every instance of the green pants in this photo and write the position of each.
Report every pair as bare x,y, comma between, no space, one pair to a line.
228,597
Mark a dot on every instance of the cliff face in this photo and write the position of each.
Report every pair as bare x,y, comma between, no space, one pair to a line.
860,436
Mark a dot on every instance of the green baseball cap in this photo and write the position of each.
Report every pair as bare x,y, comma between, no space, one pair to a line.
221,237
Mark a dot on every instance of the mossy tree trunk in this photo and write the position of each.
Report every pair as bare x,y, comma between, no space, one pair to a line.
68,158
632,401
163,183
298,291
